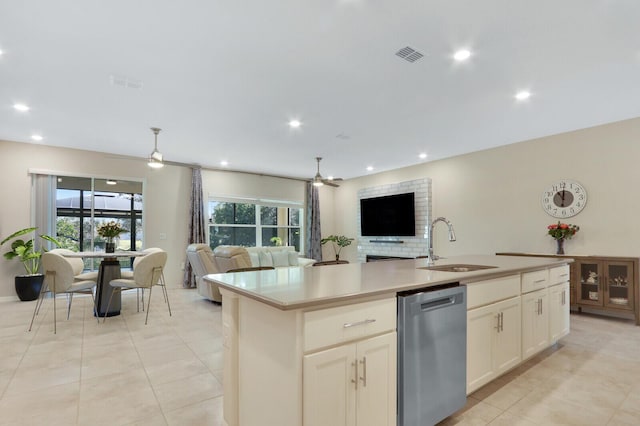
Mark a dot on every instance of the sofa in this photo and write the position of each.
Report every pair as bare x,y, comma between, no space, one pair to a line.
277,256
204,261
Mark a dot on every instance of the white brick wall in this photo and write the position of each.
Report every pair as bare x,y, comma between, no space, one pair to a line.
410,246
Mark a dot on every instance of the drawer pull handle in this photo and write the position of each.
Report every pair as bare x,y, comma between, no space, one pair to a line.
540,281
353,324
564,275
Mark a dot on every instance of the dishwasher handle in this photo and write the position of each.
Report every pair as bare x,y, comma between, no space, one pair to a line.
441,302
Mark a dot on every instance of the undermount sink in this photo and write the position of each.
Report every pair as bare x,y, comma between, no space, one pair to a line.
457,268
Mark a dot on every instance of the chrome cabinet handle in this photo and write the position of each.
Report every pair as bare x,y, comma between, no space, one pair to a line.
540,281
501,321
353,324
364,371
355,379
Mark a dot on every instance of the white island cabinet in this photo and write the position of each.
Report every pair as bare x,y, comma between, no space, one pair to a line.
493,329
318,346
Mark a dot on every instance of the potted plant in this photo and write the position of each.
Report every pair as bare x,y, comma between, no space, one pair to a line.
339,241
27,286
277,241
110,230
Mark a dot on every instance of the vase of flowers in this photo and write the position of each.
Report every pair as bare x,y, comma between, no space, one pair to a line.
560,232
110,231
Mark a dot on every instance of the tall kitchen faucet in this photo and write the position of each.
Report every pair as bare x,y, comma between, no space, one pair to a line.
452,237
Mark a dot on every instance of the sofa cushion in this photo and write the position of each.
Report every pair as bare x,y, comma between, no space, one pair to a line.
265,258
280,258
255,258
293,258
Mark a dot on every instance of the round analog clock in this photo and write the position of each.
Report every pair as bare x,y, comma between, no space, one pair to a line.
565,198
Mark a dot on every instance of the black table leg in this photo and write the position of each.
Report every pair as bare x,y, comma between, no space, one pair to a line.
109,270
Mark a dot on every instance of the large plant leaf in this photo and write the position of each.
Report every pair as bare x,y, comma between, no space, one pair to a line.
51,239
18,234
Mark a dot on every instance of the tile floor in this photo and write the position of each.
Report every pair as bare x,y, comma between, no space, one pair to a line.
170,371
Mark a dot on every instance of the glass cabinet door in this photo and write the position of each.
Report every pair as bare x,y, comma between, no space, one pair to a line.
590,291
617,280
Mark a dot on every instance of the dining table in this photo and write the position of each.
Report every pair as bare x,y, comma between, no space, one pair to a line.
109,270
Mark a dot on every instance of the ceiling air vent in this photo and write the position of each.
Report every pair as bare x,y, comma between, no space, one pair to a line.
409,54
124,81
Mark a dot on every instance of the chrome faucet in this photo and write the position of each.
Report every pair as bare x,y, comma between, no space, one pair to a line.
452,237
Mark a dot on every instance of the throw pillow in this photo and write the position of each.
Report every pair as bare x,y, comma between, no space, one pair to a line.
280,258
266,259
293,258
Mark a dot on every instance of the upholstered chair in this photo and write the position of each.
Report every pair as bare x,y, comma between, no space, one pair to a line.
60,277
147,273
200,257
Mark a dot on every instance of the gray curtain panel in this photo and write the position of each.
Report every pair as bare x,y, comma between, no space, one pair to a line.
196,223
312,231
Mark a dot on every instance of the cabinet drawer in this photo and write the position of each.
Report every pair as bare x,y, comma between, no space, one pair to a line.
559,275
535,280
484,292
332,326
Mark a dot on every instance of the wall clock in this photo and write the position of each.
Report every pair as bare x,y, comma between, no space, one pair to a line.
565,198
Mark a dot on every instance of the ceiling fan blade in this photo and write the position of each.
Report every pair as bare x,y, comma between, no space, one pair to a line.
330,183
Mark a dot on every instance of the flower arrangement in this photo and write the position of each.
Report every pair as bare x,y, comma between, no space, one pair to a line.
110,230
561,231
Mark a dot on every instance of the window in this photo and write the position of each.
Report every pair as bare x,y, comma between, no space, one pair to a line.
82,204
250,224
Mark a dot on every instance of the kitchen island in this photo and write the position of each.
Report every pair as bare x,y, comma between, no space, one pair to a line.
293,336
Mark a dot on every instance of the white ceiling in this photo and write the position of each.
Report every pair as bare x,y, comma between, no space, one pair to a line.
223,78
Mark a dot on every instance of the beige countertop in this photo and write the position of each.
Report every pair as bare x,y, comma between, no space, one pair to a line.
300,287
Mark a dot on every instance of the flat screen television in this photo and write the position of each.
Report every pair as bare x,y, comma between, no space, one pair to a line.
388,216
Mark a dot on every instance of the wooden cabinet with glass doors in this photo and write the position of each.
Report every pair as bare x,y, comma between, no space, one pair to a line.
602,283
605,283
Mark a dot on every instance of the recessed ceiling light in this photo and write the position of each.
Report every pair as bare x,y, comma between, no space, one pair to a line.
36,138
111,182
1,52
224,163
369,168
21,107
329,177
462,55
523,95
423,155
294,124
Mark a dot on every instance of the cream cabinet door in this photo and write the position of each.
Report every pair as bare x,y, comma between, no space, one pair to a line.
329,392
352,384
558,311
493,341
482,326
376,392
535,322
508,338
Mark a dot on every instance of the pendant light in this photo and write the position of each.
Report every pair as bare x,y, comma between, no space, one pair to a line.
155,158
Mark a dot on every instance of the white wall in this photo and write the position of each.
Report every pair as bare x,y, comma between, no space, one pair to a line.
492,197
166,200
166,203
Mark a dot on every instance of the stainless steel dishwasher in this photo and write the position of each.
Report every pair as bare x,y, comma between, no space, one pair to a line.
432,354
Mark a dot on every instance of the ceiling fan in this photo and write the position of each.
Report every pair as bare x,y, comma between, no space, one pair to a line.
318,180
